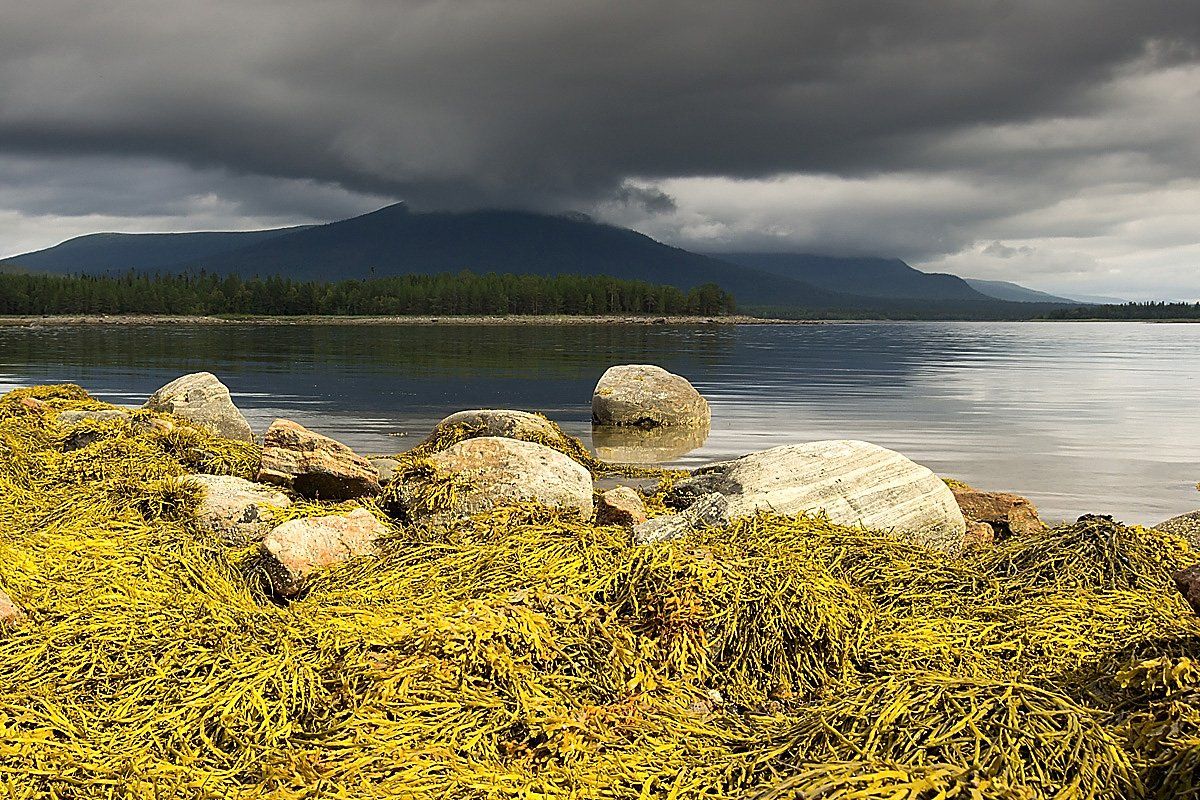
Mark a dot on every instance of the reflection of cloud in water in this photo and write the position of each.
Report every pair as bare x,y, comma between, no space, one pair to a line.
637,446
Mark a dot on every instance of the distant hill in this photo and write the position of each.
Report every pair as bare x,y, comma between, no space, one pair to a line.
108,252
887,278
397,241
1005,290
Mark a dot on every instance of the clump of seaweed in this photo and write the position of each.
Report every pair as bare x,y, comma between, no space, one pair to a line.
1020,735
1093,553
524,653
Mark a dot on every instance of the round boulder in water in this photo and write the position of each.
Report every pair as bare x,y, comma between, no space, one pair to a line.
646,396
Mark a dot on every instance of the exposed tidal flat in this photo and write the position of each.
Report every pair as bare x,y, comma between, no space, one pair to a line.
1086,417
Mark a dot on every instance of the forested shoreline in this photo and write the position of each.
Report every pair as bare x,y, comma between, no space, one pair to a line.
1131,311
460,293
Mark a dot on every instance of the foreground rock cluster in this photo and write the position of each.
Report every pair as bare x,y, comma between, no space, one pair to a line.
186,612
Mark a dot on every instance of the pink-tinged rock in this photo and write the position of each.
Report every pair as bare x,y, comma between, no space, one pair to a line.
10,614
1188,583
1008,514
620,506
314,465
299,548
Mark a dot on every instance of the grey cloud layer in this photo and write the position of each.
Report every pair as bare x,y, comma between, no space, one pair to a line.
556,104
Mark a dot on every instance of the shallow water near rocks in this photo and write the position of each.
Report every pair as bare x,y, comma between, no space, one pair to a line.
1081,417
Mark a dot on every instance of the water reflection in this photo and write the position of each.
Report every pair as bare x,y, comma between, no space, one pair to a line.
1081,417
637,446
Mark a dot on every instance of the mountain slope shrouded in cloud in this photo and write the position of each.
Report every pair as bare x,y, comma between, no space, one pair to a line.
866,277
397,241
1006,290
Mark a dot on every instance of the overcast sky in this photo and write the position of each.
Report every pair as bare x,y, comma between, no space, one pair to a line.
1051,142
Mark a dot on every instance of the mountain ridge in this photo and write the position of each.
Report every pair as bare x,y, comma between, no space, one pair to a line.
395,240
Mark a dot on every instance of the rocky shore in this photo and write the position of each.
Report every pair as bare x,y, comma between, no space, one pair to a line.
506,319
187,602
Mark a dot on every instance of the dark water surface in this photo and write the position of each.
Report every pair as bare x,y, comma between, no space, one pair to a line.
1082,417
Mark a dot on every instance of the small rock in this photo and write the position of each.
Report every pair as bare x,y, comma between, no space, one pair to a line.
1188,583
33,404
1009,514
620,506
296,549
852,483
238,510
314,465
386,467
646,396
497,422
711,510
10,614
202,400
1185,526
979,534
491,471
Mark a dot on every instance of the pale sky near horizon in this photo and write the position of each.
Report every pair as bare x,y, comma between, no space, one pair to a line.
1051,144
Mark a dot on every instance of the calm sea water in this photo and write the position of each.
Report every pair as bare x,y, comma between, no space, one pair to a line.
1081,417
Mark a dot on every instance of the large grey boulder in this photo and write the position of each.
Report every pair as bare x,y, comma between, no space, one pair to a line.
646,396
239,511
314,465
710,510
853,483
497,422
1185,526
203,400
301,547
490,471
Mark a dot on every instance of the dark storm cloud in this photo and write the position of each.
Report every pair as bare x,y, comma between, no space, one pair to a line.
313,108
540,102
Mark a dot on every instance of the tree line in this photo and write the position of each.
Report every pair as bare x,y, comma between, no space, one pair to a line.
1131,311
464,293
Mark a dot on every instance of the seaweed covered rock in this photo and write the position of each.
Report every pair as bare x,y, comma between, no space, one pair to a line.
314,465
852,483
74,416
237,510
620,506
1008,514
1096,552
200,398
646,396
301,547
481,473
11,614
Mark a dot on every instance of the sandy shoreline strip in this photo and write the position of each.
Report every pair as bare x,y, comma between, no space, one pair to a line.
163,319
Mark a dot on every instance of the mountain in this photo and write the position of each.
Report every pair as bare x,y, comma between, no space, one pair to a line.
98,253
1015,292
887,278
397,241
